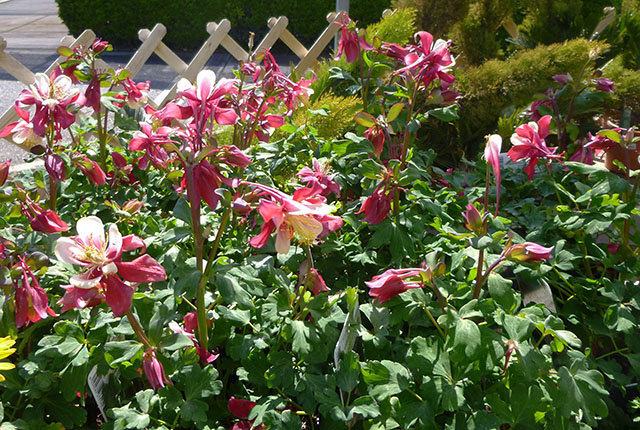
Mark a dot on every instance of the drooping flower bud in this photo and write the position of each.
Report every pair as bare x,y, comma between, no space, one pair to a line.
153,370
474,221
4,172
528,251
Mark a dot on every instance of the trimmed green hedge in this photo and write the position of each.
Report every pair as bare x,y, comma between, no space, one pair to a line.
118,21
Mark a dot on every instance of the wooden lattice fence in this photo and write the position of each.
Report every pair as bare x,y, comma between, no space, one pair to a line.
152,43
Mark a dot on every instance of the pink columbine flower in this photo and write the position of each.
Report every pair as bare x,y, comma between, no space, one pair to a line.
149,140
51,96
393,282
153,370
305,216
32,303
136,94
605,84
528,142
528,251
492,155
44,221
4,171
90,169
55,167
207,98
191,324
563,79
376,136
319,175
241,408
103,265
21,131
350,44
600,143
426,61
535,114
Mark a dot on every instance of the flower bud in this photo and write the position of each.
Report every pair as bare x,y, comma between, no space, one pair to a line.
474,221
528,251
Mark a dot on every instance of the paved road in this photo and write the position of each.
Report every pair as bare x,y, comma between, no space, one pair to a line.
33,31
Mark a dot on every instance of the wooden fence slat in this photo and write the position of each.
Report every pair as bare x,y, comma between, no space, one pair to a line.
165,53
229,44
289,40
15,67
319,45
199,60
272,36
152,43
146,49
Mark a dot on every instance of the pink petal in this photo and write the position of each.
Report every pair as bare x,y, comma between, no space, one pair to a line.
118,295
142,269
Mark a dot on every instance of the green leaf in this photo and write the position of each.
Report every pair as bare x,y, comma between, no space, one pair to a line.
194,410
64,51
118,352
199,383
385,378
182,211
237,316
395,111
369,168
467,338
582,392
176,341
446,114
501,291
301,332
125,418
348,374
365,119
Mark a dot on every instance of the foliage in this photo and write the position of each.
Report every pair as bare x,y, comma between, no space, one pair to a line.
186,20
475,36
496,85
436,16
397,27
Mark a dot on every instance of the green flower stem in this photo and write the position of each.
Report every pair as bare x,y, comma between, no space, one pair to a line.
433,320
610,353
194,203
53,193
480,278
138,330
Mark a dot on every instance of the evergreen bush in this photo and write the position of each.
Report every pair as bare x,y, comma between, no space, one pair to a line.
119,21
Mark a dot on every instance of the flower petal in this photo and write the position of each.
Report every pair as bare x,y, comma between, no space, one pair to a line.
91,230
142,269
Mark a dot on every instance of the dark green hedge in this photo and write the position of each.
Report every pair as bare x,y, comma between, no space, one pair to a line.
118,21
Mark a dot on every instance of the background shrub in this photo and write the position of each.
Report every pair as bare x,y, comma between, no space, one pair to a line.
118,21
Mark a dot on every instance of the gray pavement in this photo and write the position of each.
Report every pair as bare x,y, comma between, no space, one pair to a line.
33,30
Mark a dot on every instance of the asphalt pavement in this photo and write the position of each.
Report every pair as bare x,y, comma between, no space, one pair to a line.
33,31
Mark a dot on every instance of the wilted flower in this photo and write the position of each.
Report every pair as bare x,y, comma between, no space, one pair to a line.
153,370
600,143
